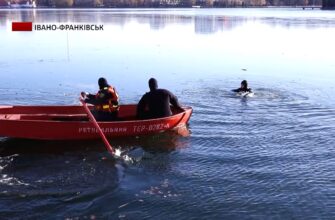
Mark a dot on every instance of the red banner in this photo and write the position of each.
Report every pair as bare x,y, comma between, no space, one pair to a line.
22,26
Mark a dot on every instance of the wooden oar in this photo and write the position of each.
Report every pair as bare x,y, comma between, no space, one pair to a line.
96,125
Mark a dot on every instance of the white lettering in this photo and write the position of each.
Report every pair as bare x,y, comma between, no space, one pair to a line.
104,130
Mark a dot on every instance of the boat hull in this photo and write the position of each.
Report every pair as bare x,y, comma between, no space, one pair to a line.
71,123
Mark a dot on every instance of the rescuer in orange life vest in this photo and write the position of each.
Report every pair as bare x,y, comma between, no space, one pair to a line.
106,101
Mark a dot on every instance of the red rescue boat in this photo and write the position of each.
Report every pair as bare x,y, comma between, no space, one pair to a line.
71,122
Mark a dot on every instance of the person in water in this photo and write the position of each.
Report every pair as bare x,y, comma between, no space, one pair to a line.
106,101
156,103
243,88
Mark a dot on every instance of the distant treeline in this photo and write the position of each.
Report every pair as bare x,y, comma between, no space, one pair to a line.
169,3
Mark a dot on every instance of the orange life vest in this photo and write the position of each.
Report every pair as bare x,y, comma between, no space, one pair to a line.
112,103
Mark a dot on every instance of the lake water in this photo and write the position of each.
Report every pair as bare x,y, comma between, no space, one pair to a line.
271,156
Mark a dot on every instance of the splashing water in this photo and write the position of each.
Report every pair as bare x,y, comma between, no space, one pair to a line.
126,158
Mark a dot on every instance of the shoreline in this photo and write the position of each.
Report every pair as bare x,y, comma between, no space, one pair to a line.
311,7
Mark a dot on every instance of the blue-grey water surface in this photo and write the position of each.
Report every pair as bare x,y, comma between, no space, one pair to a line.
271,156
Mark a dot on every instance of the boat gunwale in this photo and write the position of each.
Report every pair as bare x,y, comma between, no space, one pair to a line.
185,110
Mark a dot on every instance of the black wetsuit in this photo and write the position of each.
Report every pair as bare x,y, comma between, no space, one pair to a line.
242,90
156,104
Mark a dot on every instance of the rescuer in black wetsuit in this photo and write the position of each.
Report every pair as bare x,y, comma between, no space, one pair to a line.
106,101
243,88
156,103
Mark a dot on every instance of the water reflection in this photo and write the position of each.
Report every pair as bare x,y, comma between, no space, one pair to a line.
204,22
139,44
